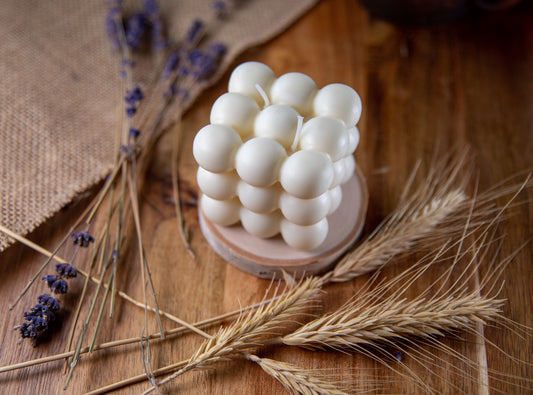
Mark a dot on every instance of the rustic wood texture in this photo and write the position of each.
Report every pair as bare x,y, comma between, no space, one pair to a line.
424,90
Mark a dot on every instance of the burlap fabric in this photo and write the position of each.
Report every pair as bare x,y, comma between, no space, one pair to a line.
59,93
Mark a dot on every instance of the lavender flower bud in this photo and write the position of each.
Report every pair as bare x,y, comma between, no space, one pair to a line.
194,31
66,270
159,40
171,64
134,133
217,50
220,9
82,238
60,286
134,29
151,9
50,278
50,302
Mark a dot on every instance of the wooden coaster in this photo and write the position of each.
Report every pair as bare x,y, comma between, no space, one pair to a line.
267,257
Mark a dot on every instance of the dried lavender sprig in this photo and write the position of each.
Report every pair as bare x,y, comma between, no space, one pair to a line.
194,32
135,28
113,18
153,14
83,239
38,319
220,9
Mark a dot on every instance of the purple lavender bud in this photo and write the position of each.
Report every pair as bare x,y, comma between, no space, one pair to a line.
183,71
134,133
128,62
171,64
66,270
82,238
113,18
159,40
134,96
194,31
134,29
181,92
203,64
217,50
40,323
49,301
27,330
151,9
130,111
60,286
50,279
220,9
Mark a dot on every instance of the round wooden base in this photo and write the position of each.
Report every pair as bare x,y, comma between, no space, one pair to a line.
267,258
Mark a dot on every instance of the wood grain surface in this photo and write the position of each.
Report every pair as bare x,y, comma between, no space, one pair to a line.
424,90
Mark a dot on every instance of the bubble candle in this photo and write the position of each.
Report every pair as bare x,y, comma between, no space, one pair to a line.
276,155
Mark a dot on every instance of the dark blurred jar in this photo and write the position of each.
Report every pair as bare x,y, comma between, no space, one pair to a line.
432,12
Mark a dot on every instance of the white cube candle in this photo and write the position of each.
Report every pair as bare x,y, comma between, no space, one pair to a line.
260,164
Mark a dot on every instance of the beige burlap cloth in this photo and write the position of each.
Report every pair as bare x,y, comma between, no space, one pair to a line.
59,93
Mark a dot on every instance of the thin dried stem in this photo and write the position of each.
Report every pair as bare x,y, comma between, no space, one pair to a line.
183,230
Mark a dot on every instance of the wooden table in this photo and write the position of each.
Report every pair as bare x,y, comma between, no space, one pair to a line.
424,90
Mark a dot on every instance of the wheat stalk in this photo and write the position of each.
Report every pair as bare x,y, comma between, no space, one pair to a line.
378,316
248,331
397,235
437,210
295,379
352,327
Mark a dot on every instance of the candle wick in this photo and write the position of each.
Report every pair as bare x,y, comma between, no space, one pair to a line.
298,133
263,95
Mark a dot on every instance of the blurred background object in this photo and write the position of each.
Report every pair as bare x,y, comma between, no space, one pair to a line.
433,12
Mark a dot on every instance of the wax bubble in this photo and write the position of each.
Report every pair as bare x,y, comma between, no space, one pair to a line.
258,161
261,225
245,76
215,146
236,111
326,135
220,186
277,122
307,174
304,211
304,237
260,200
296,90
338,101
221,212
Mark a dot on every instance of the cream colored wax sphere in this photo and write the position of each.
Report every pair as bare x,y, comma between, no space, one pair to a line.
215,146
245,77
258,161
304,237
220,186
338,101
307,174
221,212
296,90
236,111
326,135
277,122
261,225
335,198
260,200
304,211
353,140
